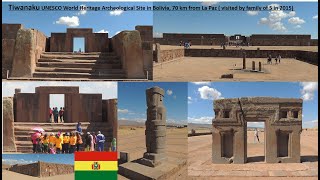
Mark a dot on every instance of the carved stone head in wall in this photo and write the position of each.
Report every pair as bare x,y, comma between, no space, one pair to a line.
155,96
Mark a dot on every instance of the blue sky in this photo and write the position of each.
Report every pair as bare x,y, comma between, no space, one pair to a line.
107,89
132,101
202,94
12,159
304,19
57,21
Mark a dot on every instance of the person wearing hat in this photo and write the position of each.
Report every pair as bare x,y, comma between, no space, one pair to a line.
100,141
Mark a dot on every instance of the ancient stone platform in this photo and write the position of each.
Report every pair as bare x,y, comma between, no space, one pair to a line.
135,170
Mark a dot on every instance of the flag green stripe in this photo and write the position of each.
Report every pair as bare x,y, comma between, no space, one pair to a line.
96,175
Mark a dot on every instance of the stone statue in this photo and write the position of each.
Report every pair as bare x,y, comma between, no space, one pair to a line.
155,128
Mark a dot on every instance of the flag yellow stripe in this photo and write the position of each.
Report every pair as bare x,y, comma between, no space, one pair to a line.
104,165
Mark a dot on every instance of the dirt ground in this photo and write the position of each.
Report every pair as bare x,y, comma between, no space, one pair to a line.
201,167
132,140
305,48
211,69
9,175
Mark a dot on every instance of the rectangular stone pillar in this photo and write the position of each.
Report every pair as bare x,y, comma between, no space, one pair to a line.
244,61
260,66
146,33
8,126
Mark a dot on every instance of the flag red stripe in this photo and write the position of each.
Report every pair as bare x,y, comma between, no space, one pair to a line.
95,156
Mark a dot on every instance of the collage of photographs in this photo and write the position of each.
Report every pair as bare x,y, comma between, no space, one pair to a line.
185,94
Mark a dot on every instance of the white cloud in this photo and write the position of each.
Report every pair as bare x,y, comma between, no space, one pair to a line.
189,100
116,12
169,92
125,111
209,93
200,120
209,3
308,90
102,31
157,35
292,13
274,20
315,17
69,21
297,26
82,12
315,121
16,161
201,83
296,20
252,13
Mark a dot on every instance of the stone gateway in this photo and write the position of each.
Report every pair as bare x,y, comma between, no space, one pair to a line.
283,125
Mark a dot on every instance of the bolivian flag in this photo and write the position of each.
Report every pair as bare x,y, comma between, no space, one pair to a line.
95,165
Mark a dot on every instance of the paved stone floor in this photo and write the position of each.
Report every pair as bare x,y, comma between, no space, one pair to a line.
211,69
132,140
200,165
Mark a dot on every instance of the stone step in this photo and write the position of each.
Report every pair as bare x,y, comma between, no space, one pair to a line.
83,53
78,56
79,70
79,65
77,75
97,61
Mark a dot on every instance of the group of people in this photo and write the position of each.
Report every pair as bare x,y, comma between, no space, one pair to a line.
69,142
277,59
56,114
186,45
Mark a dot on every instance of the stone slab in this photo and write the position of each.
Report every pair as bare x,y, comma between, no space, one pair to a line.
134,170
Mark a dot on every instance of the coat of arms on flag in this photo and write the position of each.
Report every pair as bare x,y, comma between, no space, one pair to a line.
95,165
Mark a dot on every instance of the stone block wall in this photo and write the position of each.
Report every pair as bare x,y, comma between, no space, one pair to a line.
9,34
29,45
146,33
128,46
110,116
196,39
253,40
280,40
314,42
8,125
52,169
27,169
168,55
42,169
306,56
93,42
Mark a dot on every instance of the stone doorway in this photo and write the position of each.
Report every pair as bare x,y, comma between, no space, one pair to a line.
58,101
255,149
79,44
283,125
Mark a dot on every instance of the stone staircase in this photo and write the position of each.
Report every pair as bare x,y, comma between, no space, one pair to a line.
23,131
68,65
